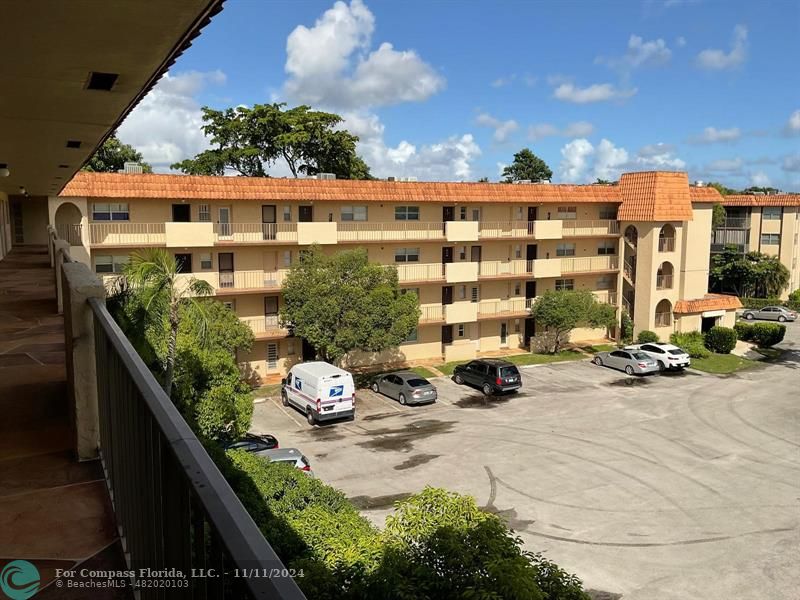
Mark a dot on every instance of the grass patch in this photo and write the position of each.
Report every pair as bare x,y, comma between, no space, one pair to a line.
423,372
271,390
600,348
522,359
722,364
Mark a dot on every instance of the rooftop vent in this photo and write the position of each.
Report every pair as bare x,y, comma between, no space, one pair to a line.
101,81
521,181
73,143
132,167
326,175
409,179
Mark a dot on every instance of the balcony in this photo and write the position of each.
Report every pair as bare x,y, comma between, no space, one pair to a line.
589,264
663,282
723,237
606,296
499,269
581,228
735,223
666,244
189,235
255,233
391,231
431,314
70,233
265,327
461,231
421,272
124,233
463,311
246,281
511,307
461,272
542,230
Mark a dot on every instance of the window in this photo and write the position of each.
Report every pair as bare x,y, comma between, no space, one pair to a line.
565,249
290,346
516,326
517,288
406,213
460,331
462,292
354,213
110,212
565,284
462,213
770,239
230,305
287,258
183,262
606,247
518,251
608,212
406,255
109,264
287,214
204,213
272,356
518,213
475,294
412,337
476,214
663,314
462,253
771,213
205,261
567,212
605,282
410,291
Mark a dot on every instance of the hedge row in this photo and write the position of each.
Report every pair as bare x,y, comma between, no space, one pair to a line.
792,303
692,342
763,335
437,544
720,339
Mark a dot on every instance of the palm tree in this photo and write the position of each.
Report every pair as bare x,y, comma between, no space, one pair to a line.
153,276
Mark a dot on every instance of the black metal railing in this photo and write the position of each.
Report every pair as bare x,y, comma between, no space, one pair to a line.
173,506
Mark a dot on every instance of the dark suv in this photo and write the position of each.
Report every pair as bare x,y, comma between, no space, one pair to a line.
490,374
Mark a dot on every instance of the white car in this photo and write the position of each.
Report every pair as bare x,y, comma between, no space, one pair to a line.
667,356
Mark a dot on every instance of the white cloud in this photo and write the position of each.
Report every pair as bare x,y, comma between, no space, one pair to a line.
760,179
598,92
572,130
792,126
503,81
791,163
725,165
680,42
582,162
658,156
715,59
166,125
576,161
447,160
502,129
330,64
712,135
640,53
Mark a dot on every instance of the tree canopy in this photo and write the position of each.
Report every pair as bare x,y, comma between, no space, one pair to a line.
718,216
748,275
250,140
343,302
527,166
559,312
112,156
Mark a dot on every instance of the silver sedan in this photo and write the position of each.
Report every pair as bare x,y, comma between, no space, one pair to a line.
406,387
632,362
770,313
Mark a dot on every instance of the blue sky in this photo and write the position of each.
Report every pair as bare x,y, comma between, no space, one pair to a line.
449,90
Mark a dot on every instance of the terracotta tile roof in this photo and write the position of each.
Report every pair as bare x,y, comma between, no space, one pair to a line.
126,185
655,196
772,200
705,194
707,302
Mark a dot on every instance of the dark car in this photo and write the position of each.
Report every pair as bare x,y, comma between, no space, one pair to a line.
256,444
490,375
406,387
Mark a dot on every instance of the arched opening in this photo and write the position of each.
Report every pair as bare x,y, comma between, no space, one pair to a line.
664,313
631,235
666,239
68,223
664,276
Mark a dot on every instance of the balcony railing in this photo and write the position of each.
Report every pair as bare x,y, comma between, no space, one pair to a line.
506,229
124,233
431,314
265,326
586,264
629,269
255,232
348,231
500,268
510,306
173,506
735,223
70,233
663,319
589,228
666,244
606,296
626,306
420,271
251,280
664,282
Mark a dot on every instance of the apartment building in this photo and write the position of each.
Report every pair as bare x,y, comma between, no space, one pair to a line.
768,224
476,254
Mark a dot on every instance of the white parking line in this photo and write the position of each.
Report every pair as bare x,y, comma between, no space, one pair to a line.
385,400
286,412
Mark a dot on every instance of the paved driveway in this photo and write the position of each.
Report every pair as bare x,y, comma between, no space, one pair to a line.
676,486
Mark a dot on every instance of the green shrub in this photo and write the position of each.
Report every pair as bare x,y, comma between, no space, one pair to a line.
794,300
720,339
768,334
744,331
647,337
759,303
693,343
626,327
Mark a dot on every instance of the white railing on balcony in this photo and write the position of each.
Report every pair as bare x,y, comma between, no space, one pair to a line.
663,282
126,234
420,271
666,244
589,227
606,296
585,264
264,325
626,306
255,232
506,229
349,231
432,313
501,268
252,279
70,233
510,306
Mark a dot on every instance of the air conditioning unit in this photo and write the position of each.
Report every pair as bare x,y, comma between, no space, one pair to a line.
408,179
326,175
520,181
132,167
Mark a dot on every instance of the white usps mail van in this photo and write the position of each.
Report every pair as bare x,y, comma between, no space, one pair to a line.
320,391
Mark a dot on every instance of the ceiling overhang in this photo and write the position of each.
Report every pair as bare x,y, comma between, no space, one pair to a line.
49,56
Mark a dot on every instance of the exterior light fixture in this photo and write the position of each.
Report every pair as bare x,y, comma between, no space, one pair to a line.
4,172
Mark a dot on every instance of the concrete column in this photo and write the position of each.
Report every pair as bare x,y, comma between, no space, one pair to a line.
80,284
61,249
50,239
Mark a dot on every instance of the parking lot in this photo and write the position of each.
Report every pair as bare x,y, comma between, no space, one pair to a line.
681,485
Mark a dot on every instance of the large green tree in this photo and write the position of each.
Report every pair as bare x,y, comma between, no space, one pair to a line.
559,312
343,302
250,140
112,156
527,166
722,189
748,275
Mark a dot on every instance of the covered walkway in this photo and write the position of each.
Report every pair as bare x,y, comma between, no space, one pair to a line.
54,511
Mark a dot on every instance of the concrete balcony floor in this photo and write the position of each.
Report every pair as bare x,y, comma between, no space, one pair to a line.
54,511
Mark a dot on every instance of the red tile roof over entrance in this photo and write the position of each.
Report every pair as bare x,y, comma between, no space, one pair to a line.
708,302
